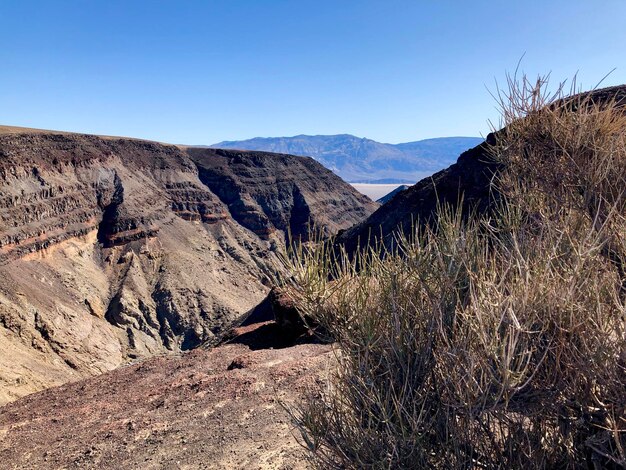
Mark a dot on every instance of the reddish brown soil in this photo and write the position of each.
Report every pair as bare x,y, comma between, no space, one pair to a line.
219,408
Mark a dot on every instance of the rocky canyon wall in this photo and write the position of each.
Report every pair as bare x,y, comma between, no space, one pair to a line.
115,249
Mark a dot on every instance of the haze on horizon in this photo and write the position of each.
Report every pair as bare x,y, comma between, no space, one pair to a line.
203,72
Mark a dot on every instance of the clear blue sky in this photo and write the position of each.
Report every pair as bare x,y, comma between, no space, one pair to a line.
200,72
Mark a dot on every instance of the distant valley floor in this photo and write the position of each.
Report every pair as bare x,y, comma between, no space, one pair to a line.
374,191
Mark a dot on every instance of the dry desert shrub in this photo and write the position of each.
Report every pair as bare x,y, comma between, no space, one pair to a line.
491,341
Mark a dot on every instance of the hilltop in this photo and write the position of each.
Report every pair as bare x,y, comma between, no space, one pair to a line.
213,409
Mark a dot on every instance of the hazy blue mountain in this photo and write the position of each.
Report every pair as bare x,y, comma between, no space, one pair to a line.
360,160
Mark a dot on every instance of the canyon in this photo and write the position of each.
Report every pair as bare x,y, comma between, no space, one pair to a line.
144,270
113,250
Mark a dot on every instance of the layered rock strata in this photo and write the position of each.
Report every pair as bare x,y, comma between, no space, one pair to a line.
116,249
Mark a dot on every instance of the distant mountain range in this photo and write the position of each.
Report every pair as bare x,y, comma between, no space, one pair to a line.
361,160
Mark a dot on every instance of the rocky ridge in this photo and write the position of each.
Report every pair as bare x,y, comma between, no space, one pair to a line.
466,183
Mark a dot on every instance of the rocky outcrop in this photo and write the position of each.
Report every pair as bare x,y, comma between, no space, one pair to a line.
116,249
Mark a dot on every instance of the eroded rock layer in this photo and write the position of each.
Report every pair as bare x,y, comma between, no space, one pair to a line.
272,191
115,249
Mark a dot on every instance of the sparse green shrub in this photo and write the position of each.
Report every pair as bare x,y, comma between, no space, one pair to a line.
494,341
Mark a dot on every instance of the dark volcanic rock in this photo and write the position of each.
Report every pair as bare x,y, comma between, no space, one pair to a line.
286,314
287,328
467,181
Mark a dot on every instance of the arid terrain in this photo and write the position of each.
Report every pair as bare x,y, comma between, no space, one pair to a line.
126,261
465,184
135,295
287,235
115,249
212,409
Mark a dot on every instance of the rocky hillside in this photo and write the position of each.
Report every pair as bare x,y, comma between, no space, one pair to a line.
115,249
467,181
259,190
361,160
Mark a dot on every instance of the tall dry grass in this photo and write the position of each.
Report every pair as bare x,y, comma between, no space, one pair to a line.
494,341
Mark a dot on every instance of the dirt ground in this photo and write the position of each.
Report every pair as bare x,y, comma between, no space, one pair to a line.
207,409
